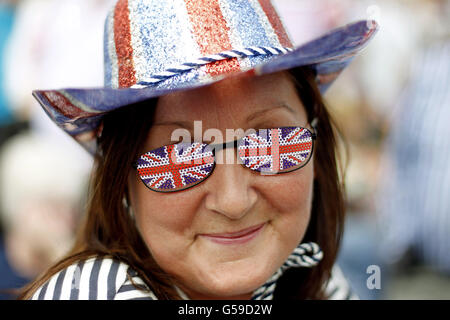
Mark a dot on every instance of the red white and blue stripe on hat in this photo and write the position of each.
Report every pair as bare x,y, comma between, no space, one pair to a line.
154,36
154,47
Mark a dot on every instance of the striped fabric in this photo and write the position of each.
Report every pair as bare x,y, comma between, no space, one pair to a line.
108,279
154,47
338,288
414,202
94,279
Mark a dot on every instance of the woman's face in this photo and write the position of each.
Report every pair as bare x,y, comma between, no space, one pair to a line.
181,228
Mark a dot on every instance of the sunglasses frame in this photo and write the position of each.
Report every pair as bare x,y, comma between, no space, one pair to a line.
234,144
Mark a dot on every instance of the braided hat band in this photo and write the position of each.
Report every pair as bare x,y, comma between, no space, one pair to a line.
199,62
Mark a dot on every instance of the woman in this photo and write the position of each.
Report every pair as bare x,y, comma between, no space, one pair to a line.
181,208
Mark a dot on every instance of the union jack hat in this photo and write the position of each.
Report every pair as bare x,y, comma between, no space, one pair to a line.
154,47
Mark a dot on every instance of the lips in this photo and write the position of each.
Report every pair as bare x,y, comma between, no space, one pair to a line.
239,237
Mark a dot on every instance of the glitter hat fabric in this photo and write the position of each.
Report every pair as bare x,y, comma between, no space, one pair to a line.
154,47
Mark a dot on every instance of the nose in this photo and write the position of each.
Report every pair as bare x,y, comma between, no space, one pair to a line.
230,191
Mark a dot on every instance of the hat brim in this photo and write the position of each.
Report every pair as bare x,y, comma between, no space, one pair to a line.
79,111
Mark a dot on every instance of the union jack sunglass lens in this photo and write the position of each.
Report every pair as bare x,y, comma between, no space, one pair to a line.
175,167
184,165
276,150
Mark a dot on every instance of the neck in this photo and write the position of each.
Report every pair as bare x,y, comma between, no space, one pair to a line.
192,295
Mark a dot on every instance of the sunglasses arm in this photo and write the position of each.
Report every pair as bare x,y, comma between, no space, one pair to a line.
314,126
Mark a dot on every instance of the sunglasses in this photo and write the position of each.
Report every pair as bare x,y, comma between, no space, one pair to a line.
183,165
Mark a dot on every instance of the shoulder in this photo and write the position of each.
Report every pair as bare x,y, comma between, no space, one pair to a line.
338,287
98,278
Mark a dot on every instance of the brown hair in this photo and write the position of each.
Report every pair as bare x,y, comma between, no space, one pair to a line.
109,230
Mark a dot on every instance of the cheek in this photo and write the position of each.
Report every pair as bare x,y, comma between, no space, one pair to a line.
164,221
290,197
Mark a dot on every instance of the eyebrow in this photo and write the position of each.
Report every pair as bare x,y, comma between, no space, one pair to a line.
262,112
183,124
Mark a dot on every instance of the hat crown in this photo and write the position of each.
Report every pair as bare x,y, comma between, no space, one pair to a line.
148,37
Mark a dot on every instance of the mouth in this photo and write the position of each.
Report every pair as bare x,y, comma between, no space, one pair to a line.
239,237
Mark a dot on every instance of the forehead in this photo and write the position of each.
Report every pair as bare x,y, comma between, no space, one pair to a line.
233,102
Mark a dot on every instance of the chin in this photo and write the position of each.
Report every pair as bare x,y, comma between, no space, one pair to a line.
230,283
231,289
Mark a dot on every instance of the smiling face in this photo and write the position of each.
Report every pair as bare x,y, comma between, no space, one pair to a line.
192,233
